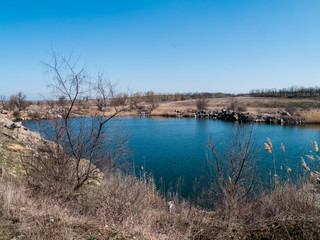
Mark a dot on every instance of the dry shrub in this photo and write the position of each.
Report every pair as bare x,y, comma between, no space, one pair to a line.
34,115
236,106
281,204
232,173
233,105
202,103
16,114
288,201
49,170
290,211
242,108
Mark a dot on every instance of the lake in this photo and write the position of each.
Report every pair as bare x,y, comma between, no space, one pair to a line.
174,149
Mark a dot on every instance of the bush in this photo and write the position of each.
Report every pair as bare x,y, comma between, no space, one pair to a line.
234,106
34,116
16,114
202,104
242,109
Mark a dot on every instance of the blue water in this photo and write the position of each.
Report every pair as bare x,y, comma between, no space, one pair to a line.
173,150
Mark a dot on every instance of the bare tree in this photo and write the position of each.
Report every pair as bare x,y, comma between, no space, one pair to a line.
232,172
102,93
62,101
4,102
151,101
202,103
18,100
81,146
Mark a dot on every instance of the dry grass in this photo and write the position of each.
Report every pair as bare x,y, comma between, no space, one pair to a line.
30,218
17,148
286,202
250,104
124,207
312,116
137,209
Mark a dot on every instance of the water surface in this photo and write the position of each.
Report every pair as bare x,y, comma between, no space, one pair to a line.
174,150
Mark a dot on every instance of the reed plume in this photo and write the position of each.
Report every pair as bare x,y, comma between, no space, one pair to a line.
311,157
315,146
283,148
269,142
304,165
267,148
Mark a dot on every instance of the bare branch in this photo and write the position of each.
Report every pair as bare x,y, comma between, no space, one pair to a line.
78,146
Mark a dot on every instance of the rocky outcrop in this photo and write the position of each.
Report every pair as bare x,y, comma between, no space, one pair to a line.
233,116
12,125
16,131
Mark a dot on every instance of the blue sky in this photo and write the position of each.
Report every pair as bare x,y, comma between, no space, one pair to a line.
165,46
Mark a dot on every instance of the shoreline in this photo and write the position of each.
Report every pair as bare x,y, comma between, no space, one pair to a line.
277,118
234,109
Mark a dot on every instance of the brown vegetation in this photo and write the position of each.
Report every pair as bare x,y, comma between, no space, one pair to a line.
312,116
202,104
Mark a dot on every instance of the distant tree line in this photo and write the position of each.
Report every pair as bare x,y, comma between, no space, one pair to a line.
168,97
152,99
292,92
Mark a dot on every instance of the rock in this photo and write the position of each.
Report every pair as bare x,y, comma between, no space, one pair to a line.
284,113
227,115
235,117
18,124
12,125
271,119
9,125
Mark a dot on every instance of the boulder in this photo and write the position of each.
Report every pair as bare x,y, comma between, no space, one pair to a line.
284,113
12,125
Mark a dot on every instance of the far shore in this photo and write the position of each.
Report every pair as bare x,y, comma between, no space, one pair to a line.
305,111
